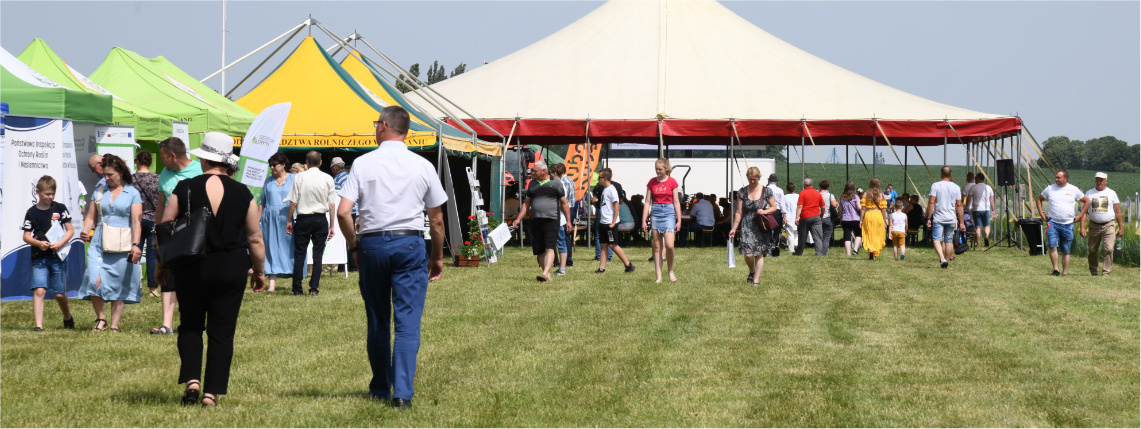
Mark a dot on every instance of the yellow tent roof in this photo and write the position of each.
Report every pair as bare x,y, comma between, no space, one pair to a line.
330,109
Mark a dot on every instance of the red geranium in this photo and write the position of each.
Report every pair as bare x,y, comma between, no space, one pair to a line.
467,243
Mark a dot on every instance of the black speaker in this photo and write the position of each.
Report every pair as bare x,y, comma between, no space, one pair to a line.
1005,172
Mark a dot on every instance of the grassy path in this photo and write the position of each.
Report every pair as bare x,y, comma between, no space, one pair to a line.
834,341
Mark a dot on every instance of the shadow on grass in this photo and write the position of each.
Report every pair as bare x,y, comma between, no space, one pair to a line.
316,393
148,397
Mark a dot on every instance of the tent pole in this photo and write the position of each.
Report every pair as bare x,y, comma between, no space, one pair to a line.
944,150
906,151
271,54
875,158
847,175
802,158
661,140
787,162
223,45
295,30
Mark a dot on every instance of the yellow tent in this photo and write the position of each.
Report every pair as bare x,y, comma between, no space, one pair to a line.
330,109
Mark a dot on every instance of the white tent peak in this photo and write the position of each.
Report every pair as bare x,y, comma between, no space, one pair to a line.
644,60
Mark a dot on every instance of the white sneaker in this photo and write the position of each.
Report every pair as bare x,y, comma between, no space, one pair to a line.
560,272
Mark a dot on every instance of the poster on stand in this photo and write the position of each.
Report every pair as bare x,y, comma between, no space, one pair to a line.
35,147
117,140
335,251
260,143
182,131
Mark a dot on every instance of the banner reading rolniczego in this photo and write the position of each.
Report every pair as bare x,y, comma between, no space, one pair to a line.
32,148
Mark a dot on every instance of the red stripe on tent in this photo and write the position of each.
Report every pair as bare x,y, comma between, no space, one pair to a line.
752,132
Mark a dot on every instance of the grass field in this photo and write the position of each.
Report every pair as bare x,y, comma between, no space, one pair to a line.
834,341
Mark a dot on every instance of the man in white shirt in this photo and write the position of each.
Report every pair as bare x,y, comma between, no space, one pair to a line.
980,201
1103,208
1060,219
944,212
392,188
788,207
313,198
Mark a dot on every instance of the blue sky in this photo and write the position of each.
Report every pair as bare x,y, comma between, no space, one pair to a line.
1068,68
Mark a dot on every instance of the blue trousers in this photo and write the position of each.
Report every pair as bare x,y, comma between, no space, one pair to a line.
393,283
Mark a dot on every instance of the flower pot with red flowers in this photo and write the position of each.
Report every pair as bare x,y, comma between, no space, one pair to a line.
472,251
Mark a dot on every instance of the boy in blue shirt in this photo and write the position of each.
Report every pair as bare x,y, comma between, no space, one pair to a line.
48,219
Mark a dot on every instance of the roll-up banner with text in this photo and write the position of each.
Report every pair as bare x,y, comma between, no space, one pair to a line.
32,148
260,143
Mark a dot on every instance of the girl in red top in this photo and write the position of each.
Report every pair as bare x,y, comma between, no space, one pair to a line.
664,216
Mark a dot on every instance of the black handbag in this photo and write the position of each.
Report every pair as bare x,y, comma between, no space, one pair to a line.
183,240
961,245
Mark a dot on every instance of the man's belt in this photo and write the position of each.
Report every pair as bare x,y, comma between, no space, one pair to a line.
392,233
299,216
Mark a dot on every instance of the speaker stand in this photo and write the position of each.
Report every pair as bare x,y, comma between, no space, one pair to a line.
1007,236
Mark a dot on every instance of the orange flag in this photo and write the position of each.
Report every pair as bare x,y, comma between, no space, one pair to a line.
580,164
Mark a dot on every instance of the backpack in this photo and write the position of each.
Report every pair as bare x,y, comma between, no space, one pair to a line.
831,211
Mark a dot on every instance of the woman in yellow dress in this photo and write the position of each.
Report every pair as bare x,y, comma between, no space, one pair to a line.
874,224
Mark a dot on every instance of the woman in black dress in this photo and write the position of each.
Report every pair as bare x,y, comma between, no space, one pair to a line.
211,287
753,199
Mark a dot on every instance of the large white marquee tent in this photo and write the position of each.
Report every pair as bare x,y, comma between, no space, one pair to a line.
687,71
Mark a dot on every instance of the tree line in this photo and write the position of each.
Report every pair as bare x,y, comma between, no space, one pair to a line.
1103,153
435,74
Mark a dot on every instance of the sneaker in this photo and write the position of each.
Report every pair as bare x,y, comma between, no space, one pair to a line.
596,258
902,257
600,271
1055,273
69,323
944,264
37,329
560,272
570,264
986,242
630,268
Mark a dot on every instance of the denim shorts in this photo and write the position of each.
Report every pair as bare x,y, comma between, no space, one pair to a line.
981,218
1060,236
943,232
561,241
47,272
663,217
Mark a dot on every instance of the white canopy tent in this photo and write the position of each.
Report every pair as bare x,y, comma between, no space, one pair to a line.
648,71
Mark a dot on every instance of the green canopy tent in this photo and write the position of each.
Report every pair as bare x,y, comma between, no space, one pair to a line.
30,93
163,88
149,126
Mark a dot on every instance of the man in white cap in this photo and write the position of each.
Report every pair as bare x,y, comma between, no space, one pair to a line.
1060,219
1104,209
337,166
313,198
177,167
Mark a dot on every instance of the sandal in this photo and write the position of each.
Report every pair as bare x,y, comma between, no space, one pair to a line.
190,396
749,279
209,397
161,330
115,330
155,293
97,328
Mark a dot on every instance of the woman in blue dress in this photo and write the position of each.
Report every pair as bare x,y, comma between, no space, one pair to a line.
113,276
274,211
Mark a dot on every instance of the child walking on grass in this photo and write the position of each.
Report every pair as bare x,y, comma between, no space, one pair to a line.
608,221
899,230
47,229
